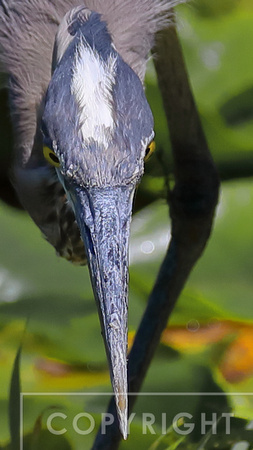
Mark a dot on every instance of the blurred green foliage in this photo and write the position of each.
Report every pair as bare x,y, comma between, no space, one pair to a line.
208,346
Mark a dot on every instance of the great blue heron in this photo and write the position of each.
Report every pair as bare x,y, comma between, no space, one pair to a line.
83,129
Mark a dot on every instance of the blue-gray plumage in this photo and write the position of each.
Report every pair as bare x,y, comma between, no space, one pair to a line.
82,137
119,157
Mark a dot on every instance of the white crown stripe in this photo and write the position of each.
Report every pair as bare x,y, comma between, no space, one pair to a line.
92,84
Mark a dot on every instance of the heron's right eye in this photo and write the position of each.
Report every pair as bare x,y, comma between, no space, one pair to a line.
50,156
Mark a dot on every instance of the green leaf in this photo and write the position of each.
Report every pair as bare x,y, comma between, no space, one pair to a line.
44,439
14,403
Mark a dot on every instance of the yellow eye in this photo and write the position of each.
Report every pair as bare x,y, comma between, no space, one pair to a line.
150,149
51,157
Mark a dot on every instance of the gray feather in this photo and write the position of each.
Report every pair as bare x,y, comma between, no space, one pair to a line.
27,36
27,32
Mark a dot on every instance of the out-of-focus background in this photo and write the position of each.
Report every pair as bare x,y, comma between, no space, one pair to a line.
208,344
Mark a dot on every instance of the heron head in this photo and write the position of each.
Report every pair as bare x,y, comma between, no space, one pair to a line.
97,128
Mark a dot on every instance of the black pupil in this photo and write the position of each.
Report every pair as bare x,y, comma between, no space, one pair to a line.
147,151
54,157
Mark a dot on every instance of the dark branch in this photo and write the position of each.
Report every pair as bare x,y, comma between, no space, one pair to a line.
192,204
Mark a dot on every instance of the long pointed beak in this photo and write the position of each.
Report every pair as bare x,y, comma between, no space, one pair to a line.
104,216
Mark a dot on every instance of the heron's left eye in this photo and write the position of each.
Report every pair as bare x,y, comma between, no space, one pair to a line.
51,157
150,149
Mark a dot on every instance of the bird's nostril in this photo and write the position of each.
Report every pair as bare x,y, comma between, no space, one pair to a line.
89,239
